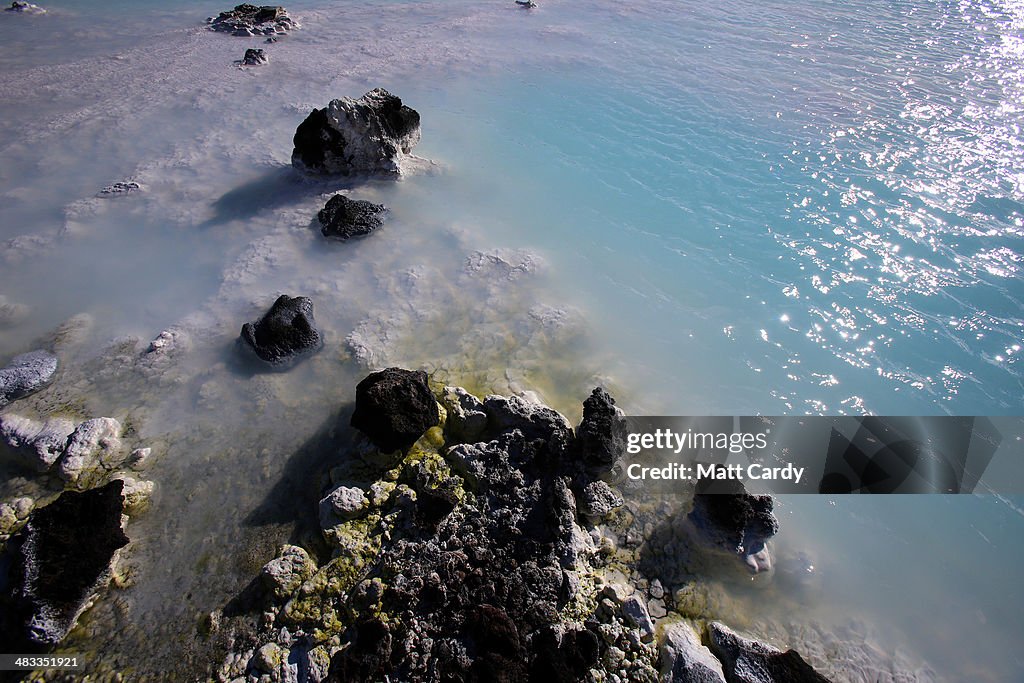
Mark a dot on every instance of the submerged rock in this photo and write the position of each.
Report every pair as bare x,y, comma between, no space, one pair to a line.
394,407
735,521
750,661
342,218
61,559
287,332
369,135
248,20
26,374
11,313
255,57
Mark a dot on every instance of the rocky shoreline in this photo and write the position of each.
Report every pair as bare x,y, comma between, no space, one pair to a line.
480,540
463,535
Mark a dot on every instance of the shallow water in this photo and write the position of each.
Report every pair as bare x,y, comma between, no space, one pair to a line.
782,208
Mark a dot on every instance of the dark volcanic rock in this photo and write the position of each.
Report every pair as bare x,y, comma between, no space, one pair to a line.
750,661
286,332
248,20
394,407
61,558
26,374
26,7
505,413
476,593
370,135
734,520
467,561
255,57
601,437
342,218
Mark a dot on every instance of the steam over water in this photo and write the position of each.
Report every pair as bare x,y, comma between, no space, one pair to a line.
793,207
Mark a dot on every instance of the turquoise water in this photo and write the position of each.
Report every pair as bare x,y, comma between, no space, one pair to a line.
792,207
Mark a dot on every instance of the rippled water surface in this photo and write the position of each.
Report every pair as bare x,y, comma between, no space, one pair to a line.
787,207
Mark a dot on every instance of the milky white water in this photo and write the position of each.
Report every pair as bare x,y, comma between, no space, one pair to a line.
781,208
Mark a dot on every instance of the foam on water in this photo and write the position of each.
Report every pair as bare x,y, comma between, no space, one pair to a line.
742,208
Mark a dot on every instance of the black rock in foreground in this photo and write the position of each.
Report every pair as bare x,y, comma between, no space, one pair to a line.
734,520
61,558
248,20
369,135
285,333
394,407
342,218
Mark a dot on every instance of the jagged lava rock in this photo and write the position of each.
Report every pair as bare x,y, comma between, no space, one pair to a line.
248,20
285,333
342,218
534,420
685,660
734,520
26,374
61,558
369,135
466,416
749,661
394,407
255,57
601,437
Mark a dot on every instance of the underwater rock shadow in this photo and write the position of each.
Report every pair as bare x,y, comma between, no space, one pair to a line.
293,499
278,187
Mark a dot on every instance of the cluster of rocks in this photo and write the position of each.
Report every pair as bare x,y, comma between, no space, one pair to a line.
371,135
250,20
728,657
81,454
120,188
466,545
